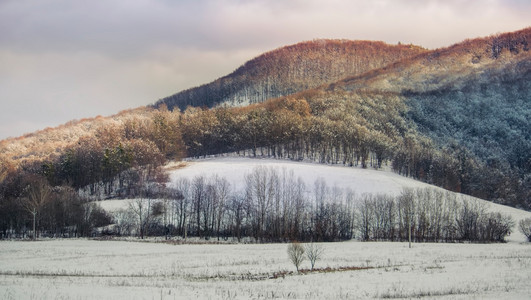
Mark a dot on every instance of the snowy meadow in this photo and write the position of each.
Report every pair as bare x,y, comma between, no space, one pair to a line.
91,269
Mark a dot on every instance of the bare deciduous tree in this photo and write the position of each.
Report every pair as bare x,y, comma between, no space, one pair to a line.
314,252
525,227
141,208
296,254
223,192
406,201
38,193
124,219
182,197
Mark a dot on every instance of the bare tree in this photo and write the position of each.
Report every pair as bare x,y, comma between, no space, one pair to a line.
223,192
141,208
525,227
260,188
406,202
296,254
124,220
314,252
237,212
366,217
198,190
38,193
182,197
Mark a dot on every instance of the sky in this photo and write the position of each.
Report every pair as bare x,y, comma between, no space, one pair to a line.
62,60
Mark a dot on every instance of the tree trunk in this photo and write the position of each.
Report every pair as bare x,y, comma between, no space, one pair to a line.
34,217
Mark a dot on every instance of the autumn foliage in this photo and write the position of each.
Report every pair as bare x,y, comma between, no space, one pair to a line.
292,69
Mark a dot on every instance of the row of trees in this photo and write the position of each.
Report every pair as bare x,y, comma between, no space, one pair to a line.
275,206
429,215
284,128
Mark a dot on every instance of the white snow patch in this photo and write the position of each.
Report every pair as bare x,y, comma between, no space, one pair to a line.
115,205
359,180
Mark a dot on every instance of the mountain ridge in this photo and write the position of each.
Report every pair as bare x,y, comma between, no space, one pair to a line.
300,66
467,56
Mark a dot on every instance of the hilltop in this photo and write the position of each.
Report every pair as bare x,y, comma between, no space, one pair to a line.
292,69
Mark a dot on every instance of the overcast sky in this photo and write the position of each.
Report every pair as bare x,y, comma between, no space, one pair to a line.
66,59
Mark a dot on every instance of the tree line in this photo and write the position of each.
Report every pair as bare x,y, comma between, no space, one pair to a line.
273,206
276,206
40,210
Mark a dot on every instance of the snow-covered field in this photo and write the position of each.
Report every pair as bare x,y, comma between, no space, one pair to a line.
89,269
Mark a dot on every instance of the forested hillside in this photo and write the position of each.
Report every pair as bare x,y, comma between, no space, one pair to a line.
491,121
292,69
456,117
474,96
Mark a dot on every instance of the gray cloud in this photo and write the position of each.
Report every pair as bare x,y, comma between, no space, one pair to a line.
66,59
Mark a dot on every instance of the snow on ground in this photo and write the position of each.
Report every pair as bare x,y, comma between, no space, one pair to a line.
114,205
359,180
89,269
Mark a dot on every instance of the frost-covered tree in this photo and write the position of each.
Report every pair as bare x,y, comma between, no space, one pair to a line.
406,202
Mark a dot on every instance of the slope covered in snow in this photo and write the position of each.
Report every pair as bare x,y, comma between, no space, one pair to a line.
361,181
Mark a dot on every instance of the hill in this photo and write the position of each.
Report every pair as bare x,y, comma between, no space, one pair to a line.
456,117
280,72
292,69
473,97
